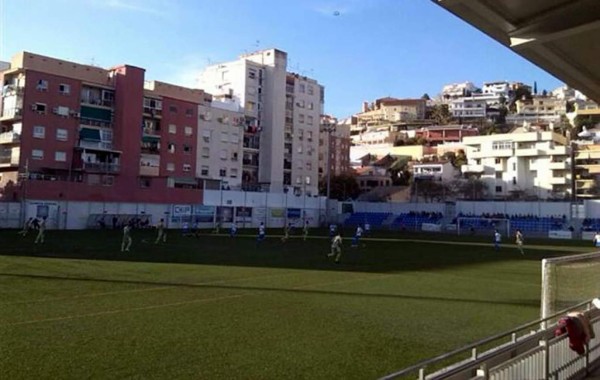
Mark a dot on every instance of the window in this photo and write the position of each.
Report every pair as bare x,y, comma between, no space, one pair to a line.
498,175
299,148
62,134
223,154
301,118
37,154
205,152
233,173
300,103
223,172
498,189
498,160
42,85
302,88
311,90
250,106
39,108
187,167
252,73
189,112
311,106
172,129
309,120
171,148
514,166
501,145
224,137
145,182
60,156
187,149
235,138
108,180
64,89
206,136
204,170
170,167
234,156
173,109
39,132
188,131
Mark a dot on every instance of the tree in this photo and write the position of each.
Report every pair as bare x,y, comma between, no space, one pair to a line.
460,159
430,189
425,96
343,186
473,188
399,172
441,114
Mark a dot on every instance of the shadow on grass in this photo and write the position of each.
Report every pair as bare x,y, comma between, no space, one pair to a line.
293,290
243,251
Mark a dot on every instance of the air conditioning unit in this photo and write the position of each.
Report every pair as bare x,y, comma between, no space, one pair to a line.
34,107
76,115
55,110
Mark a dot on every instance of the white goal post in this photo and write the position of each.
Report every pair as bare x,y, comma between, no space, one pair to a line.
568,281
466,225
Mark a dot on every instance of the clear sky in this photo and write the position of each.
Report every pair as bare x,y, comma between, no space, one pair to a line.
359,49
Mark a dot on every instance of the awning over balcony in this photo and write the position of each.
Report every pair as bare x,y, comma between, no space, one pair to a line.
89,134
150,139
94,113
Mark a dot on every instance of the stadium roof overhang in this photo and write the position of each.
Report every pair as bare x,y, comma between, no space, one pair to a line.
560,36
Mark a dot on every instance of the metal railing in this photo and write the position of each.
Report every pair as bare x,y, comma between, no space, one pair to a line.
536,354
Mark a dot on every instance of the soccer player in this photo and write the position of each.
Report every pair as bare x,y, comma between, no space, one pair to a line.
26,227
233,229
126,243
336,247
597,239
367,229
305,230
41,231
185,229
497,240
519,241
261,233
332,230
357,236
217,228
286,232
162,235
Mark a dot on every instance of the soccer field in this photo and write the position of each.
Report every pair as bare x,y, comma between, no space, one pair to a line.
219,308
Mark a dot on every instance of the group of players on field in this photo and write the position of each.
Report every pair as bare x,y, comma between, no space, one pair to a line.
39,225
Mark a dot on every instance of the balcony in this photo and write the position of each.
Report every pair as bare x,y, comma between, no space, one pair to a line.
11,90
95,145
9,137
557,165
527,152
11,113
584,184
472,168
557,151
558,181
9,161
149,165
101,167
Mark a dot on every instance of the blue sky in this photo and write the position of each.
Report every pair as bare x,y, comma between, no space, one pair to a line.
372,49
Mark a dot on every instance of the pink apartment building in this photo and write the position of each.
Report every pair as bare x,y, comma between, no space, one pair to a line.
79,132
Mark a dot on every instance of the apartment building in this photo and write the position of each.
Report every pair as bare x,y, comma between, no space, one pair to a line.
500,88
457,90
392,109
442,134
532,162
440,171
334,147
80,132
587,169
220,154
281,126
471,107
538,109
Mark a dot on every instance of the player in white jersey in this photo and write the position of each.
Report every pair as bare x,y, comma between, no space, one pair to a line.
41,231
233,229
26,227
336,247
126,243
162,235
261,233
286,232
519,241
497,240
597,239
357,236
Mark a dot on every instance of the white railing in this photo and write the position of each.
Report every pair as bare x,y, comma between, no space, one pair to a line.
536,354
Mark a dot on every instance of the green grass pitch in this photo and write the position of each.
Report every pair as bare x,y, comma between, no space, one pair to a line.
214,307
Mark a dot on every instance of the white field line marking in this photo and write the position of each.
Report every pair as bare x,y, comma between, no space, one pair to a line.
166,287
202,300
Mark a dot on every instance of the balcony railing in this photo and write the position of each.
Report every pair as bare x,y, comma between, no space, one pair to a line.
9,160
103,167
9,137
102,145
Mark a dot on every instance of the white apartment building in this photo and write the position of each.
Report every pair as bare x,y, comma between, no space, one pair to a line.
442,171
533,162
377,137
538,109
501,88
455,90
220,143
468,107
281,118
